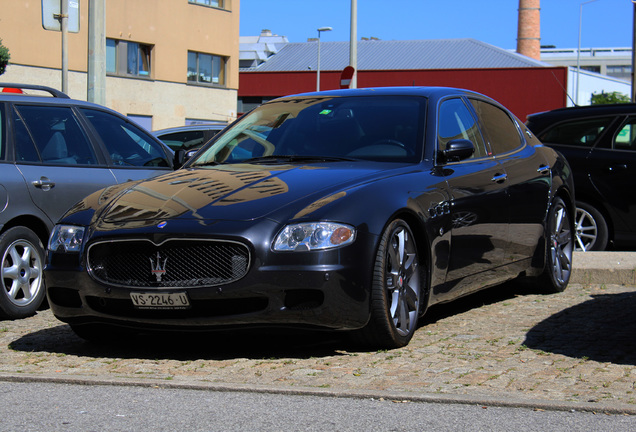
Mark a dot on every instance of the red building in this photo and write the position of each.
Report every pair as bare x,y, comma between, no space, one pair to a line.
520,83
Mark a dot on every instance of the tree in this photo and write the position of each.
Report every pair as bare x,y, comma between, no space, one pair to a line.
609,98
4,57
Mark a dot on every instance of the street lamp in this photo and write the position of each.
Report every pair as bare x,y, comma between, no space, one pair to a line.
578,52
321,29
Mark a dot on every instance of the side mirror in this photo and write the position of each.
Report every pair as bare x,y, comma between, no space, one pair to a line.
458,149
181,156
179,159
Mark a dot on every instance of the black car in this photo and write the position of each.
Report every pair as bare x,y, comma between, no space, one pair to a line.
599,142
54,151
342,210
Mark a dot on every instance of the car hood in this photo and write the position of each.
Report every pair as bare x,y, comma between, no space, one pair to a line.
237,192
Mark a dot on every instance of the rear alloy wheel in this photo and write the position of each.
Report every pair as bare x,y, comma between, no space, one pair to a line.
396,293
560,246
22,277
591,229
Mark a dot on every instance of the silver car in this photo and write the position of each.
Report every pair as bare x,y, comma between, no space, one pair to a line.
54,151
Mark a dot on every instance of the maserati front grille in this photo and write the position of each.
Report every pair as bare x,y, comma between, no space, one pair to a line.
173,263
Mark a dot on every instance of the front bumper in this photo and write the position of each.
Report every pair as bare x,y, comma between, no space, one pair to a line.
321,289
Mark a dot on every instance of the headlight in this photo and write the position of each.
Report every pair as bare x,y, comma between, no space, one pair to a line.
66,238
314,236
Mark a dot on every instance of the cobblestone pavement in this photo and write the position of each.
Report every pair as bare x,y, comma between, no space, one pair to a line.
506,343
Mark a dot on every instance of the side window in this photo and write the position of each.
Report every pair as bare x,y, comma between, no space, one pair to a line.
582,133
127,144
56,133
183,140
625,139
456,122
500,129
25,150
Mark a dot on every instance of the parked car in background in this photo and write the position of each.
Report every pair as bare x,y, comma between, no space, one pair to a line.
348,210
54,151
599,142
191,137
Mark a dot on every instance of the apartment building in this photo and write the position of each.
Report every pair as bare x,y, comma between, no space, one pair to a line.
168,62
613,62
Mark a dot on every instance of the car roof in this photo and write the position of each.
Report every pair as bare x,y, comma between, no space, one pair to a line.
14,92
18,89
429,92
539,122
586,110
206,126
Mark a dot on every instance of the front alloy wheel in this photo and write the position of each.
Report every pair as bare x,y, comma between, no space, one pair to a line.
22,278
396,292
558,265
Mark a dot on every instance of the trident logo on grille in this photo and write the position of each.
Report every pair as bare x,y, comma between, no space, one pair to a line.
158,266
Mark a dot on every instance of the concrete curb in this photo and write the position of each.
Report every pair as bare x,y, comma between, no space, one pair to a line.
617,268
481,400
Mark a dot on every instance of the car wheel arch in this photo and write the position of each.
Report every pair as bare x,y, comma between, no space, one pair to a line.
423,244
540,257
567,198
35,224
393,319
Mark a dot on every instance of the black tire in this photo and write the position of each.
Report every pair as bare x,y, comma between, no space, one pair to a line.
559,248
22,278
591,228
396,291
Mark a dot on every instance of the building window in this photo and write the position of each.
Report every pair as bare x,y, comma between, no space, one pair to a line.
127,58
619,71
596,69
206,68
144,121
211,3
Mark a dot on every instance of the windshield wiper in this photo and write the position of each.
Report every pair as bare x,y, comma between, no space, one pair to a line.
295,158
202,164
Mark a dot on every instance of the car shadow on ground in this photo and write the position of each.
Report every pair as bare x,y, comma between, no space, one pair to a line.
600,329
244,343
217,345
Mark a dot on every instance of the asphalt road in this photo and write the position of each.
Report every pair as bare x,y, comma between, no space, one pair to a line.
49,407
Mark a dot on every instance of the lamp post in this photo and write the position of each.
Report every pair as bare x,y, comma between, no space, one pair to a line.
353,44
578,52
321,29
634,57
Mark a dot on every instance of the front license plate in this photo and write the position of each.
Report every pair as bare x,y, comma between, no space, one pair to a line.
160,300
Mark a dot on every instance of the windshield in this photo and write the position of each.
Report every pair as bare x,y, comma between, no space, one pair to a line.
380,128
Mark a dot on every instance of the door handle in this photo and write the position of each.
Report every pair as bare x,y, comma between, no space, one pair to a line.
44,183
544,170
499,178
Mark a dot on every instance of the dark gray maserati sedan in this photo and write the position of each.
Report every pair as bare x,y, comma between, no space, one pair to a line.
350,210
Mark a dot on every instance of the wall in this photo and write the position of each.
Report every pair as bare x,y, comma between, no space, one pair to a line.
172,26
523,91
593,83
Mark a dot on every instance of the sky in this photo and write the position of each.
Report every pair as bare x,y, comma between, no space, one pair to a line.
605,23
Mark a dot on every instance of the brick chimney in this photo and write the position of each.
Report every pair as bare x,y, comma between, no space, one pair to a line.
529,29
